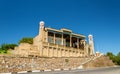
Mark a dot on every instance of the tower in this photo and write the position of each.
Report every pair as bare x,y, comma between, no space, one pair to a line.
41,24
41,37
41,30
91,45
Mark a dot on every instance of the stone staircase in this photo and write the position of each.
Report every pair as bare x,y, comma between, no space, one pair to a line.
98,61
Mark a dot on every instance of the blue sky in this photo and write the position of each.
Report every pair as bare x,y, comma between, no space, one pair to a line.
101,18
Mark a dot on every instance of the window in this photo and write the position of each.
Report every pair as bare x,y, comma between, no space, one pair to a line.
50,39
58,41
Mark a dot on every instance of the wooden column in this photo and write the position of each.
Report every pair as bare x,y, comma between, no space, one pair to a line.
70,40
62,39
47,36
54,38
78,43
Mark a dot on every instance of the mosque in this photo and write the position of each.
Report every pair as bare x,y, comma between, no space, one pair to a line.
51,42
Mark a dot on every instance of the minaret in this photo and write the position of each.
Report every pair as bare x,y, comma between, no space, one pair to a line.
41,37
91,44
41,30
41,26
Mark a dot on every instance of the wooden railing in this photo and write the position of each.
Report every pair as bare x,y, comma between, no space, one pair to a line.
60,46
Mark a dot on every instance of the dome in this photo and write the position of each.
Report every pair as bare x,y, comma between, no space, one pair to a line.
41,22
90,35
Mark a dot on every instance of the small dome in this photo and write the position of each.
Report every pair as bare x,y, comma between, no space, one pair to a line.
89,35
97,52
41,22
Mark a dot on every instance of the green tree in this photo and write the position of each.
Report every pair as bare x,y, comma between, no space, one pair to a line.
118,54
0,50
118,58
8,46
26,40
4,47
111,55
114,58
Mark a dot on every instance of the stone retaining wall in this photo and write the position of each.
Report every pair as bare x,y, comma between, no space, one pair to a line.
17,64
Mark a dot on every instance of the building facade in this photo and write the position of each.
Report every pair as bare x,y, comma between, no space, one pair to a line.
57,43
